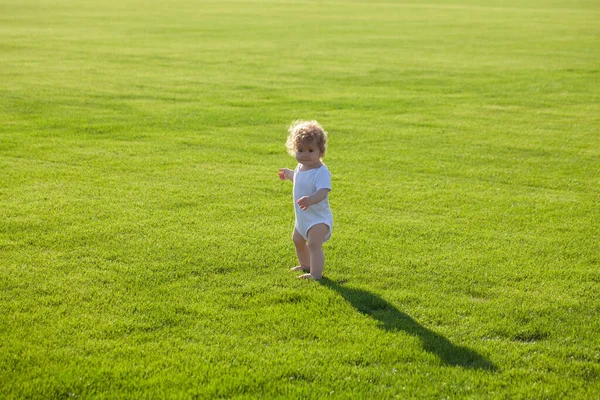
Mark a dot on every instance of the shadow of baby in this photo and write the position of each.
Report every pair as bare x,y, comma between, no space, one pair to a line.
393,320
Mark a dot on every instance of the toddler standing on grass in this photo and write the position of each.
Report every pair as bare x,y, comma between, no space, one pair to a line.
307,141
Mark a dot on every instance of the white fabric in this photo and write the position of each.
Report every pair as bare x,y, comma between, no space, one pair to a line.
305,184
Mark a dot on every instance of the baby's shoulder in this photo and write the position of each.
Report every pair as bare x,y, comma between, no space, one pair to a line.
323,170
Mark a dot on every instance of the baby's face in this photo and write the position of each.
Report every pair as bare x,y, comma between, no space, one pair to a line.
308,155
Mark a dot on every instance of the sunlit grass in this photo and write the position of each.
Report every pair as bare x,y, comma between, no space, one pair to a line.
145,239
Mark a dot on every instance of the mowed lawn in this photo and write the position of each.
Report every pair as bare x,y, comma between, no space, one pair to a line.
145,238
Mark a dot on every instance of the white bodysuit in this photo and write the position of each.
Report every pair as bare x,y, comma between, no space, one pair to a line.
305,184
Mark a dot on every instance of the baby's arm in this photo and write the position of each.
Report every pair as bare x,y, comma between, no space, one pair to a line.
316,197
285,173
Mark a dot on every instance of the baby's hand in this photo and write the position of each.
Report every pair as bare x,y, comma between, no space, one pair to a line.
284,173
304,202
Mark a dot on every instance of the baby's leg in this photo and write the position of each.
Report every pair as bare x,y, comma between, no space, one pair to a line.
316,237
302,252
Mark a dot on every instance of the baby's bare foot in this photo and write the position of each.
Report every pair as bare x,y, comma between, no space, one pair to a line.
308,276
300,268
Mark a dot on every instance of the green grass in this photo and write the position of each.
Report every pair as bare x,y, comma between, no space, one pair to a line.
145,238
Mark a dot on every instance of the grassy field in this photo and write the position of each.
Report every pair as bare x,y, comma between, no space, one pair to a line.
145,238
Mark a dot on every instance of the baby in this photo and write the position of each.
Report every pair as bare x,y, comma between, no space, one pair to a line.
307,141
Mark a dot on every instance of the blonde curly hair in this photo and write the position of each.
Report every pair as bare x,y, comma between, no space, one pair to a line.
305,132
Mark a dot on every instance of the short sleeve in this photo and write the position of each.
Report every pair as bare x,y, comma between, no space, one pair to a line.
323,179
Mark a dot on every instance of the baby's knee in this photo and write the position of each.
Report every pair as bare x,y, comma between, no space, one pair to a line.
315,245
